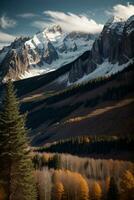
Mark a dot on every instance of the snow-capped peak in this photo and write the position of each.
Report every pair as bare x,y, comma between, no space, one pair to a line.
114,20
115,23
53,48
53,33
53,29
129,25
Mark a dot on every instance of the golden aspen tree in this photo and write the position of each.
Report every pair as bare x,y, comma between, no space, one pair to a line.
127,186
84,190
107,182
58,190
56,176
97,191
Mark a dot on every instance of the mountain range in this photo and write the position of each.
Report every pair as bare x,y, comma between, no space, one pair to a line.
44,52
109,52
84,84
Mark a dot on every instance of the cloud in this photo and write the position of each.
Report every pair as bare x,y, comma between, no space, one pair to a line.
6,39
122,11
69,22
27,15
41,24
5,22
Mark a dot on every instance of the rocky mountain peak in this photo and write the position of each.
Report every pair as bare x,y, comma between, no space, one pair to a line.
114,46
54,29
45,51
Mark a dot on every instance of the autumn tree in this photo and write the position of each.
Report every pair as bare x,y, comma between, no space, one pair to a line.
96,192
74,184
58,191
84,190
127,186
44,184
107,182
16,171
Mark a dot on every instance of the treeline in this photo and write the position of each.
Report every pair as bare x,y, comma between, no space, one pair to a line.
84,145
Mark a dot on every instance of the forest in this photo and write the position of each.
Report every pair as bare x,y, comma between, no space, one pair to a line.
71,177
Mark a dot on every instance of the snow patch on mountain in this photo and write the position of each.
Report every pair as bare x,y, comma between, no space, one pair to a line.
106,69
34,71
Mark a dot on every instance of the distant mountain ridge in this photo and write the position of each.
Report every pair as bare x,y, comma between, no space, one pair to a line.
44,52
53,48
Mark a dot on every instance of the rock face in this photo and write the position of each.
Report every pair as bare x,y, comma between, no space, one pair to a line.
76,72
50,54
15,60
115,44
45,51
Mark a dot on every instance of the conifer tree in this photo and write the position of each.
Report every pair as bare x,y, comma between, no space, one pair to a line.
16,170
113,192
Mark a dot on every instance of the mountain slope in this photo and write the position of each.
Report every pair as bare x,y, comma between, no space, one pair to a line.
109,104
55,112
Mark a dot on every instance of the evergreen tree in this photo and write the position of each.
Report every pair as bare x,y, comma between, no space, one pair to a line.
55,162
113,190
16,170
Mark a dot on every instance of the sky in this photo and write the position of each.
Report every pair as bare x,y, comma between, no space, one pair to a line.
27,17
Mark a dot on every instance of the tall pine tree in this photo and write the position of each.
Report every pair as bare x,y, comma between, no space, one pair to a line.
16,171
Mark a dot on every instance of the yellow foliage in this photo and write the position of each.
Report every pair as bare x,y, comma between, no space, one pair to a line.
107,183
84,190
58,191
127,186
97,191
74,184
